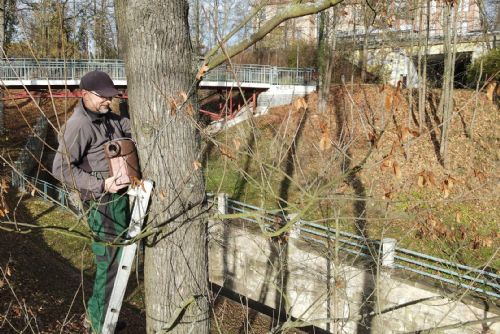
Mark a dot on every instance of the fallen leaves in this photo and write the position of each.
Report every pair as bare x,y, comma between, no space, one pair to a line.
426,179
397,170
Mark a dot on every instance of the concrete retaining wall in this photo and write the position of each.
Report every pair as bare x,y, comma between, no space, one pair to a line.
292,276
281,95
33,149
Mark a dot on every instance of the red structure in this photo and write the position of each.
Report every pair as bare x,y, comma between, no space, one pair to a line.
227,110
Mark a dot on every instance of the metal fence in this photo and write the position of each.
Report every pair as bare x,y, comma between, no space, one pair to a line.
60,69
262,74
44,189
482,280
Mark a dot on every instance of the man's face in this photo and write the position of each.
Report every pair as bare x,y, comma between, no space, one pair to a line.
96,103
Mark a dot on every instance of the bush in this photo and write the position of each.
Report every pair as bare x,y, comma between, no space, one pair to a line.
491,68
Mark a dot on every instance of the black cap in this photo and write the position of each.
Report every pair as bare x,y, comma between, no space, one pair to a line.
99,82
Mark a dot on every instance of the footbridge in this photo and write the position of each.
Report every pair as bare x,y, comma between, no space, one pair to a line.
229,82
39,74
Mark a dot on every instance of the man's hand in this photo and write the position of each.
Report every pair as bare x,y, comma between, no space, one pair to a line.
110,185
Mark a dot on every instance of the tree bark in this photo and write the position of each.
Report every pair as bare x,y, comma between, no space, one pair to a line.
159,60
326,54
446,102
2,26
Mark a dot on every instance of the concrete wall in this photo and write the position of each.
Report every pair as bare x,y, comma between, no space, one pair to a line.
293,276
281,95
33,149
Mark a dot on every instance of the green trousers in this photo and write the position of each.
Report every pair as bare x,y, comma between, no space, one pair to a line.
108,219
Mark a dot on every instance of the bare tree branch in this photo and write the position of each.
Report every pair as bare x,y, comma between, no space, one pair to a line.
290,12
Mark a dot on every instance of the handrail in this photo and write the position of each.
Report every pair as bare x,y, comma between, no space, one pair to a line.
74,69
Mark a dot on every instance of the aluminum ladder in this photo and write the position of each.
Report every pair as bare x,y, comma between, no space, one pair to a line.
142,194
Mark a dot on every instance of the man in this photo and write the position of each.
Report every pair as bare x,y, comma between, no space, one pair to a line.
80,163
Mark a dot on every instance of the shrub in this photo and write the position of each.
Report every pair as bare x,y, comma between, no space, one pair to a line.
491,68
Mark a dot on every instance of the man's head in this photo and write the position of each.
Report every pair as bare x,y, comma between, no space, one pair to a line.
97,91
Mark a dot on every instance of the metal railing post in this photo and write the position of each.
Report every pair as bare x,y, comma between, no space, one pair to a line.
222,205
388,252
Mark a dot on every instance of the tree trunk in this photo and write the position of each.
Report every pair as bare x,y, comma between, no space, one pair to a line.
422,62
326,53
158,62
2,50
449,18
2,25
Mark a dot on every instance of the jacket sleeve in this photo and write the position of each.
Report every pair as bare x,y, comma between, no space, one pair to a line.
70,154
125,126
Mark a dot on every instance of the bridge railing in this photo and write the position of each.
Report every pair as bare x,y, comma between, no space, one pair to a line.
60,69
262,74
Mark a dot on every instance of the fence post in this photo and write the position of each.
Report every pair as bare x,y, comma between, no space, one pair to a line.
222,203
295,229
388,252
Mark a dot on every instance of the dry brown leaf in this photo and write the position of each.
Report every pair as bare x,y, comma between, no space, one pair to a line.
373,138
136,182
458,216
397,170
405,134
227,152
4,185
8,272
299,103
325,143
183,95
162,196
480,175
342,189
446,192
388,195
237,144
396,146
339,283
189,109
414,133
388,103
386,164
490,90
202,71
421,181
1,284
173,106
196,165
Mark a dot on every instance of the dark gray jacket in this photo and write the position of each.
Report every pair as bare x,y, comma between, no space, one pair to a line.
81,151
